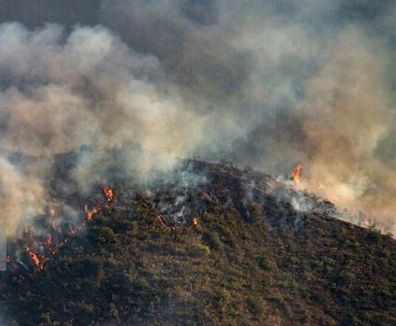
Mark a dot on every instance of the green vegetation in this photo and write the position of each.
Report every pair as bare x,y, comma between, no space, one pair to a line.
235,267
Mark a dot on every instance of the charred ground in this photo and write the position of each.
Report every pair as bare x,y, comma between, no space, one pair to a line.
212,245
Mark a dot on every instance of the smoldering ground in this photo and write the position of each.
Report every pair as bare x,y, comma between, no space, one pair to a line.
262,83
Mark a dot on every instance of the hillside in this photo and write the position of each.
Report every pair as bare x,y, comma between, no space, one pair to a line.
212,246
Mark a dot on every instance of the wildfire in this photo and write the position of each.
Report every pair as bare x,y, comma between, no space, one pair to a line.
34,257
296,174
38,248
194,221
161,220
89,213
108,193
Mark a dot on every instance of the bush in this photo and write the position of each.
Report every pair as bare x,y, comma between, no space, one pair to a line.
223,299
201,250
105,234
265,264
212,240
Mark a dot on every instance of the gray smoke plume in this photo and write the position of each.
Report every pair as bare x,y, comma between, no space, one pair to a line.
144,83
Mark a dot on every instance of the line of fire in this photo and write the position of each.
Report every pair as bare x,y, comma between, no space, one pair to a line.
34,249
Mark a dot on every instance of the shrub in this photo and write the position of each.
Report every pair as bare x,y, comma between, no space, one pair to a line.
105,234
212,240
265,264
201,250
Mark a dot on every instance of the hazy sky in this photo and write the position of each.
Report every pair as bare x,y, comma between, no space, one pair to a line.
264,83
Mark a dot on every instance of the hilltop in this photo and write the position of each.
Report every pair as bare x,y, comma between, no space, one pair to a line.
213,245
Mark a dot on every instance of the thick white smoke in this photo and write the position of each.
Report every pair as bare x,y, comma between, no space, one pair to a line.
263,83
61,92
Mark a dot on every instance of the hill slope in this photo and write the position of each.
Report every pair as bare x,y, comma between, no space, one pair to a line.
215,245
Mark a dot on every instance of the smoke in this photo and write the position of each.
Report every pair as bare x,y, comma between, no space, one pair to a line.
22,196
345,114
60,92
148,82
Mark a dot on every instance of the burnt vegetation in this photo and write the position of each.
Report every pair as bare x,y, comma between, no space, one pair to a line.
214,246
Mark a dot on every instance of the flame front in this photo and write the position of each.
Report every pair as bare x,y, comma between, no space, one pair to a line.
108,193
296,174
89,213
39,248
34,257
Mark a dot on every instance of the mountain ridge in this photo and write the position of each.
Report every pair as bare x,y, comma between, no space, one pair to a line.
211,245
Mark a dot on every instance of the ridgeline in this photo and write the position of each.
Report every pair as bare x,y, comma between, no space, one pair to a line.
213,246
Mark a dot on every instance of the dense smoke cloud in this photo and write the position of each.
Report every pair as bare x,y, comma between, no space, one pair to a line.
262,83
345,114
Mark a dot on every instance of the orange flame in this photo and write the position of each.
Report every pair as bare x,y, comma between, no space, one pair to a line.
194,221
161,220
89,213
108,193
39,248
35,259
296,174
